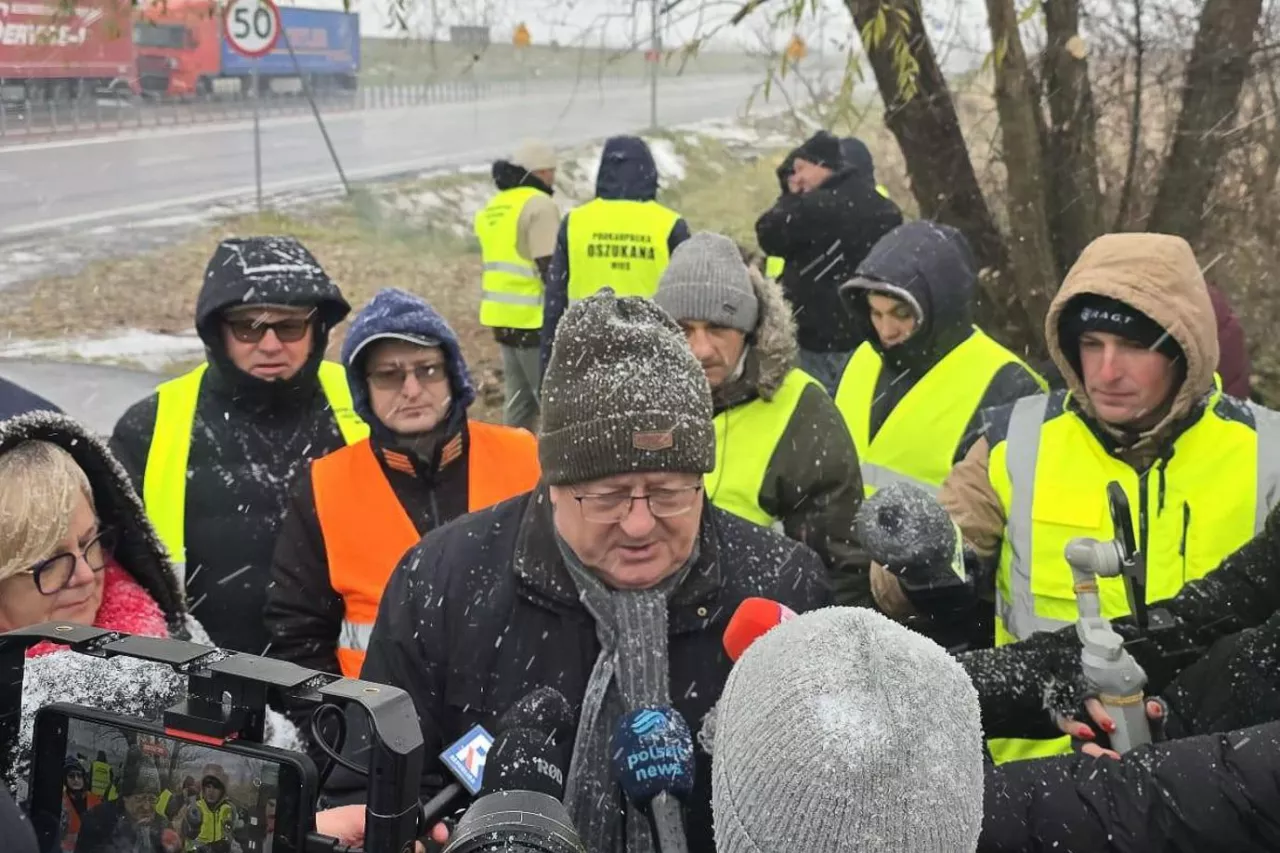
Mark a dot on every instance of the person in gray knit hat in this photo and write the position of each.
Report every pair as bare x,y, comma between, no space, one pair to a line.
784,457
613,581
891,726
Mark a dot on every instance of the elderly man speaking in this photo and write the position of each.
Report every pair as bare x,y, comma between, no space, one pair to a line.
612,582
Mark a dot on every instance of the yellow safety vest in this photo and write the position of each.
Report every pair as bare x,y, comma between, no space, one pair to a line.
619,244
511,290
774,265
164,483
751,433
214,823
100,781
1190,510
917,442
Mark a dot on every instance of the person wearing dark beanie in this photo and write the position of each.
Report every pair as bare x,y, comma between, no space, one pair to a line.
613,581
1133,332
824,223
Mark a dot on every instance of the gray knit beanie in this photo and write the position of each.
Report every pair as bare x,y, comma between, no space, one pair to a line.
841,731
706,280
622,393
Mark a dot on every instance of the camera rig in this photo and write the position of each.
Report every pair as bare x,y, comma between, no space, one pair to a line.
227,695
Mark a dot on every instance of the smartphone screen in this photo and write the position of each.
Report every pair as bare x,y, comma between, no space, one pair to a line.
103,784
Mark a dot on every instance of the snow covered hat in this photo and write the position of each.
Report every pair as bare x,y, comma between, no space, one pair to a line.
622,393
891,721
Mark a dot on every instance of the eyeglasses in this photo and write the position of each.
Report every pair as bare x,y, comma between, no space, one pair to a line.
392,378
615,507
290,331
54,574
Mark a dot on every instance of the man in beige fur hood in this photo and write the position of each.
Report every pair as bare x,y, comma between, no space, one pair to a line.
784,457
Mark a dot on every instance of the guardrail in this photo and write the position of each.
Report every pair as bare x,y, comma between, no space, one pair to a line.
33,120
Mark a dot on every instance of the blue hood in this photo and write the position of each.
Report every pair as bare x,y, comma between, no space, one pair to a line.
393,311
627,170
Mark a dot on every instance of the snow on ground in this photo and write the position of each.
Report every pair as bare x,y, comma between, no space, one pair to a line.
149,350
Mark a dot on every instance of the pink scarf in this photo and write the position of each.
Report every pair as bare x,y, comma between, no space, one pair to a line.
126,607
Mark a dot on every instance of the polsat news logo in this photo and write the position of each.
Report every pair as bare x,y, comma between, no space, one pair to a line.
466,757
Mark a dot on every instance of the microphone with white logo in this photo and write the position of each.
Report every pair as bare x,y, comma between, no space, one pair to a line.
653,762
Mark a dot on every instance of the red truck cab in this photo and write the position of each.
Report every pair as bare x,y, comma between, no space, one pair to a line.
177,46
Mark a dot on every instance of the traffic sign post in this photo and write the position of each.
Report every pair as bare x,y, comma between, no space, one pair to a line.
253,28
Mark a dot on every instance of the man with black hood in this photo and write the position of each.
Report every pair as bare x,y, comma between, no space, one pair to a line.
214,453
355,512
822,226
517,233
620,239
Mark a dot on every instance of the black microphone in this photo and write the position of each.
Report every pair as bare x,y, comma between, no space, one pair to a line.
523,760
653,762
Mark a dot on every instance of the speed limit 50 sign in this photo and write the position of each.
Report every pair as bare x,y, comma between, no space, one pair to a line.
252,27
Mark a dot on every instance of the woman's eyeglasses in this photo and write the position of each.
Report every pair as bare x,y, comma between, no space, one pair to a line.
248,331
54,574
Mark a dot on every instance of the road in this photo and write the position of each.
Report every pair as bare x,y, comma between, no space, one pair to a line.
94,394
66,184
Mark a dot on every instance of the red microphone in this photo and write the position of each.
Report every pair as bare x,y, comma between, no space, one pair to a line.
753,618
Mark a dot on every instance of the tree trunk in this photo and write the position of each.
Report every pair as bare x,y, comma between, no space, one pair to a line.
1030,249
1075,197
923,119
1216,71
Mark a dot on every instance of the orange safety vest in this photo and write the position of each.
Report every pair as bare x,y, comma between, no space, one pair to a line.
74,819
366,530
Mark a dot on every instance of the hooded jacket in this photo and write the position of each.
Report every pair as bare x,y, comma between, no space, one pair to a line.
141,595
16,400
931,268
823,235
627,172
250,439
540,209
812,483
1233,360
485,611
1141,271
429,476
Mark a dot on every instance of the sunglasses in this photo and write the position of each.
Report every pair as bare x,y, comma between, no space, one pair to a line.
251,331
393,378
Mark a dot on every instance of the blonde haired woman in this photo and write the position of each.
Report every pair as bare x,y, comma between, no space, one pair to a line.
75,545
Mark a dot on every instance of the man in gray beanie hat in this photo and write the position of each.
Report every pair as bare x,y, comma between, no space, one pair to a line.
613,581
784,457
841,731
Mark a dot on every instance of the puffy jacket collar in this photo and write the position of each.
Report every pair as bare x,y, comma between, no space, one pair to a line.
1158,275
627,170
543,577
138,550
508,176
772,348
927,265
393,311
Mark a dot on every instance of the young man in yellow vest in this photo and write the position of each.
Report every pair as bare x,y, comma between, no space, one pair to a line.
912,393
215,452
355,512
784,458
517,233
1133,332
621,239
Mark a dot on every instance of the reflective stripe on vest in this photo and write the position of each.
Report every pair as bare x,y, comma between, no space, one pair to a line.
746,438
511,288
917,442
773,266
619,244
1217,486
164,483
366,529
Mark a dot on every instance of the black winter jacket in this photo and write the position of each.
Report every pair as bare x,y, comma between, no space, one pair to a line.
823,235
250,440
627,172
484,611
932,266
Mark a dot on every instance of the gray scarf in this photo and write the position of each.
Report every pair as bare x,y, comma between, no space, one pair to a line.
631,672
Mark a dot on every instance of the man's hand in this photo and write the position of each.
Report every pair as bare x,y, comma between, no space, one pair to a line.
346,823
1104,722
888,593
795,184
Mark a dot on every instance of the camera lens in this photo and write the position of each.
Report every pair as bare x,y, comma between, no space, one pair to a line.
516,822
